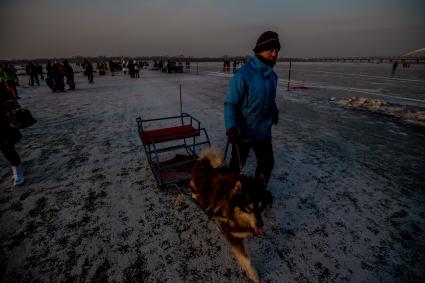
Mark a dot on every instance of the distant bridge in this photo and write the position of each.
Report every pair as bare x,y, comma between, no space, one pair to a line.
416,57
372,59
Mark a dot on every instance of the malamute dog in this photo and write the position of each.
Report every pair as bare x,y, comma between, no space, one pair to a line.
235,201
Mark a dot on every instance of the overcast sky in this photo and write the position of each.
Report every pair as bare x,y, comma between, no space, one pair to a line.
307,28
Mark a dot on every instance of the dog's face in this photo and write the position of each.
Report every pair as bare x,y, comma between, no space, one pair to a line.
249,203
247,216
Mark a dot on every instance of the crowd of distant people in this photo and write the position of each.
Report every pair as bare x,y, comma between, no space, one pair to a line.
58,74
171,65
132,67
235,65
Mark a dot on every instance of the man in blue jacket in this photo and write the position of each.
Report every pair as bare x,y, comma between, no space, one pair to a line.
250,107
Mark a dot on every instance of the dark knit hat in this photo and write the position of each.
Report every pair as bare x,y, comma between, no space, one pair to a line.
268,40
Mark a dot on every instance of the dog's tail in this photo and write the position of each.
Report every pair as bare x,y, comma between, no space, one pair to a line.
214,155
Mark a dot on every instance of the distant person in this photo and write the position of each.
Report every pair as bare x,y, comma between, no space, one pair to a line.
28,73
188,64
162,66
69,74
179,66
169,66
137,66
102,68
58,76
395,64
9,77
10,135
124,67
33,72
39,68
111,67
49,76
226,65
131,68
88,70
250,107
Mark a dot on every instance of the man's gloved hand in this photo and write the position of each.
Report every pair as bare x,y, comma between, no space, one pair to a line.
275,117
233,135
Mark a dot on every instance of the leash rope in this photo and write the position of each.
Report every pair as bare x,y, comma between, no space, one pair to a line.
238,154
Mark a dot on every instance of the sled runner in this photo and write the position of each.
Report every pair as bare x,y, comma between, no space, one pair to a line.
171,146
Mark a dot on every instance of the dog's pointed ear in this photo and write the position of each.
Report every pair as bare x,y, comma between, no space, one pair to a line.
237,188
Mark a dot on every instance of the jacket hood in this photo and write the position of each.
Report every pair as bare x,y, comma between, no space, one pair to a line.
260,66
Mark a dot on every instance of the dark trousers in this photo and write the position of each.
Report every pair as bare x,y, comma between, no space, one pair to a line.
59,84
34,79
8,150
90,77
263,152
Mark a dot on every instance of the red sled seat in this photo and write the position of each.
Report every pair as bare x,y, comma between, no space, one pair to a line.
168,134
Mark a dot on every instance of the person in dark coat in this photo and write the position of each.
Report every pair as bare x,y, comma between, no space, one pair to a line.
40,71
9,136
137,66
49,76
394,67
111,67
69,74
169,66
88,70
33,72
28,72
131,68
58,76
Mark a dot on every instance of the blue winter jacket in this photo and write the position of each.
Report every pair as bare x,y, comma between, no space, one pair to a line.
250,103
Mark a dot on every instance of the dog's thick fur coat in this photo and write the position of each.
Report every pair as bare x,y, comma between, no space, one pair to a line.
235,201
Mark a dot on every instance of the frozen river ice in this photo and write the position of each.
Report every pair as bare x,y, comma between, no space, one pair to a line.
349,186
